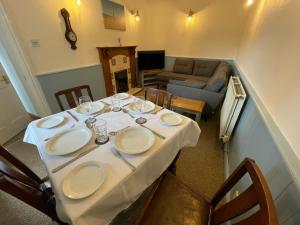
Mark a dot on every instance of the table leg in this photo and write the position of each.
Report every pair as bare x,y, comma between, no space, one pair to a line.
172,167
198,117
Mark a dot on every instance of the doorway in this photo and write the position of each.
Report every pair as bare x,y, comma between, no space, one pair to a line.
14,117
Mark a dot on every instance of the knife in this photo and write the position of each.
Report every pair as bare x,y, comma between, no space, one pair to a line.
74,117
118,154
74,159
154,132
155,112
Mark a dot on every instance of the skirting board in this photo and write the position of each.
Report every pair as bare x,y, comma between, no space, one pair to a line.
226,173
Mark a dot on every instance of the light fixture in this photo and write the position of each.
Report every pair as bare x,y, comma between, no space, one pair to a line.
136,14
78,2
190,15
249,2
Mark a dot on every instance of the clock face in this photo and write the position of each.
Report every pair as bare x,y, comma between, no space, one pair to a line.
72,36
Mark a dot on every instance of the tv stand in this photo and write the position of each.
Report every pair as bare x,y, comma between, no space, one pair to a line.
149,77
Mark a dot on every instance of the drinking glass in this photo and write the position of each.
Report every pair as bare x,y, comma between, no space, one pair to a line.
140,104
115,104
100,130
85,103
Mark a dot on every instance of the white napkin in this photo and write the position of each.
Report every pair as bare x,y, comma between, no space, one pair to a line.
117,120
122,102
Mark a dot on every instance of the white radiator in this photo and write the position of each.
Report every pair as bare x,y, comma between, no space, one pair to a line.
232,106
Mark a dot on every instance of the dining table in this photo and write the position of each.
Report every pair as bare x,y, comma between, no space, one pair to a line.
122,185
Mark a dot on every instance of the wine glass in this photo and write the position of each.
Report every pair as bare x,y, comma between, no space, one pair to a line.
85,103
140,104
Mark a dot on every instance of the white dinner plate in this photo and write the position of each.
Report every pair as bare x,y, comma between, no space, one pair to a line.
121,96
134,140
171,119
96,107
50,122
84,180
149,106
68,141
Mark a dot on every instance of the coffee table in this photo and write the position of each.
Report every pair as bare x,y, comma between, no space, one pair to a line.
188,105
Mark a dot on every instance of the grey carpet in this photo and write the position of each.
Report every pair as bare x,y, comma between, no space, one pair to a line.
200,167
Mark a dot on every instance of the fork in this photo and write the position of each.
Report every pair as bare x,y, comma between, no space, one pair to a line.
126,111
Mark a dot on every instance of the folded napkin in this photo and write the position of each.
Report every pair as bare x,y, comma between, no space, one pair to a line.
122,102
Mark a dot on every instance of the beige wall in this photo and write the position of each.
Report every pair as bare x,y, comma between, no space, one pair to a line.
269,56
214,31
41,20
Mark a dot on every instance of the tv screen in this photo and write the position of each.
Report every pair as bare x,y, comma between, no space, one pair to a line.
149,60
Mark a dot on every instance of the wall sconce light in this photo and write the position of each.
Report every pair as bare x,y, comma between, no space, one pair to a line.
78,2
136,14
249,2
190,15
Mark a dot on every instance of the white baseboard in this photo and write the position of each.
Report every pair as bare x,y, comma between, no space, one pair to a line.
226,173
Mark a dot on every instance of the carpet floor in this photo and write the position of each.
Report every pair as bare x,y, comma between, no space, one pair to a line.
200,167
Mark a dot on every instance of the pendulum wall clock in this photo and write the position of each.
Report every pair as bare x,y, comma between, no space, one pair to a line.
69,34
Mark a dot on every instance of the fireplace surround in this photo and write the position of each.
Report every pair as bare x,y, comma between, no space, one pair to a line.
115,62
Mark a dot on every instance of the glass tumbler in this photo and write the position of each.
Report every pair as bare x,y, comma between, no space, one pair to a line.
100,130
85,103
140,104
115,104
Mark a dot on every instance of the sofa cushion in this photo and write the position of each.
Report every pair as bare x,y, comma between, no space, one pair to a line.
205,67
189,83
224,67
217,81
183,65
166,76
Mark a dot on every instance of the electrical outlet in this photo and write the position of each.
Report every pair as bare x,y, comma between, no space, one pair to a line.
35,43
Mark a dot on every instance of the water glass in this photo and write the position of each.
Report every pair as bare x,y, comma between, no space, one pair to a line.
115,104
140,103
100,130
85,103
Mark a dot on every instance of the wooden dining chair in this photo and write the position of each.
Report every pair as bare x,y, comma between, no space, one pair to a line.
21,182
160,97
172,202
69,95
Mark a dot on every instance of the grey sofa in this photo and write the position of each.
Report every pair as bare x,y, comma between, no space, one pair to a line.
205,80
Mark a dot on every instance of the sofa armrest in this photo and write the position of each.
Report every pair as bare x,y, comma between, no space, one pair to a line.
213,99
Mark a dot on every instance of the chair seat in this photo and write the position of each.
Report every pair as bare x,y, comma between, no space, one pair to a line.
176,204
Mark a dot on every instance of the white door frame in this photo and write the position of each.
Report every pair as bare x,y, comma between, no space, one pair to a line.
18,70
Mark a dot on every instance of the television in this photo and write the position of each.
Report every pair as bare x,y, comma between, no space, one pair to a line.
150,60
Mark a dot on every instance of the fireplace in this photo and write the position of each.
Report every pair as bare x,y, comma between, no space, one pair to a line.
119,69
121,81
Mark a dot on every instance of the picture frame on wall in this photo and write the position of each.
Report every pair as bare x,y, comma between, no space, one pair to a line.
113,15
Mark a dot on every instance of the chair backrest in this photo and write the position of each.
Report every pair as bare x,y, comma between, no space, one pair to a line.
21,182
159,97
257,194
68,93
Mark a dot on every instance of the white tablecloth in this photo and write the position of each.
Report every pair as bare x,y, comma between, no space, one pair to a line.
122,186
